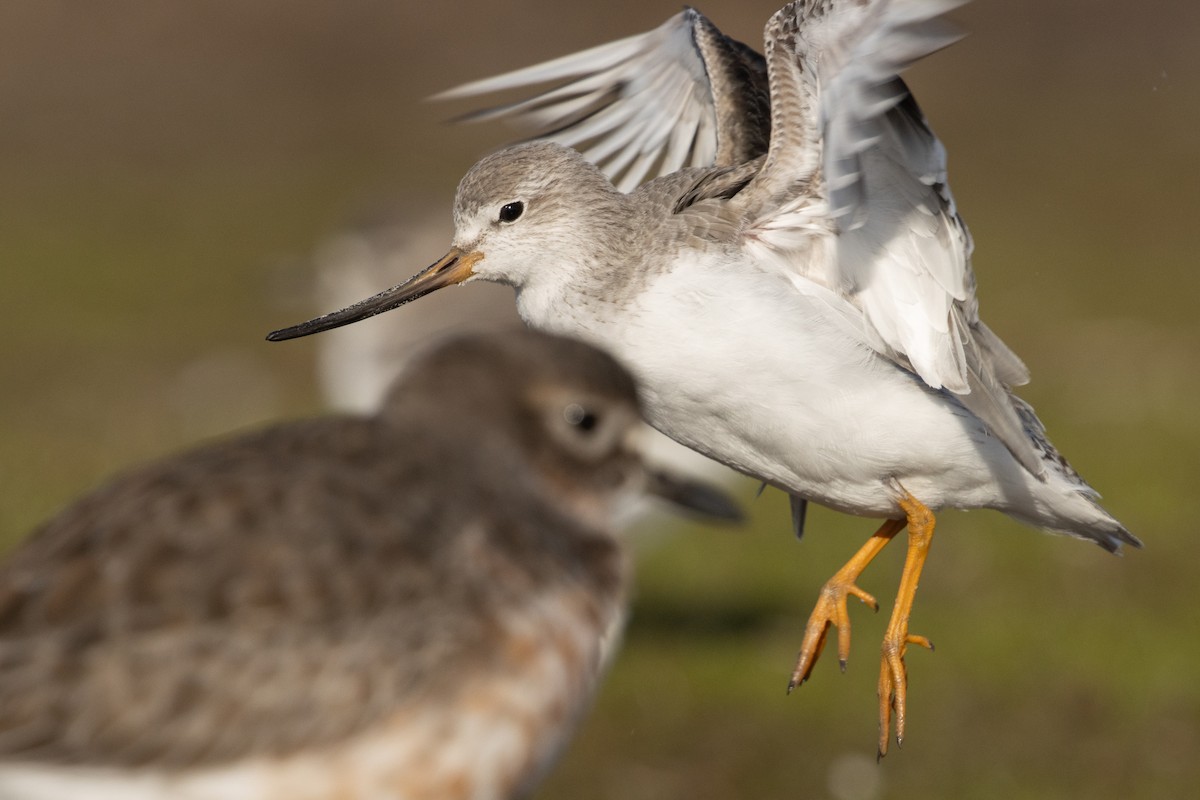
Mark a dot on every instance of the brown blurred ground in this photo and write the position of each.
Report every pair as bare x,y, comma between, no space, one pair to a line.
166,169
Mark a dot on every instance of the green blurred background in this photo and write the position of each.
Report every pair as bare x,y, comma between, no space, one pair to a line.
167,168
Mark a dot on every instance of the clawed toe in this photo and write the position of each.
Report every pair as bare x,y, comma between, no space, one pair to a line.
830,611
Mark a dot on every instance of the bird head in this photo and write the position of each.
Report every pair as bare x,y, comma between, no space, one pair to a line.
523,216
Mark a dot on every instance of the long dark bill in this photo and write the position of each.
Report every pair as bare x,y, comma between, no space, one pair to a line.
455,267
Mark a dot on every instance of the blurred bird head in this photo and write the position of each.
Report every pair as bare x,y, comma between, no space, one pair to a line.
565,408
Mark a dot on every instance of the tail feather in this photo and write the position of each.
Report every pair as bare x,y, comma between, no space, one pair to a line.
1076,510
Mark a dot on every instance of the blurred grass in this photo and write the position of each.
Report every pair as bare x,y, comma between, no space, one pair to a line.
167,169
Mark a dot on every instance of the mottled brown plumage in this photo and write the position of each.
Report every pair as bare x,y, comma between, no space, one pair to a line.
274,599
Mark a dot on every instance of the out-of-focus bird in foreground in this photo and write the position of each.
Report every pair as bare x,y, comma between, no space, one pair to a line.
414,604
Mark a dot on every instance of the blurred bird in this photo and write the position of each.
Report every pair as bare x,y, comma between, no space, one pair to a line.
800,306
415,604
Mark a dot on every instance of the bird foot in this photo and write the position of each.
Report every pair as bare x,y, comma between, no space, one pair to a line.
893,684
830,611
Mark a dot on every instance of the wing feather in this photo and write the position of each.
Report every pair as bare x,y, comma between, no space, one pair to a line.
851,154
681,95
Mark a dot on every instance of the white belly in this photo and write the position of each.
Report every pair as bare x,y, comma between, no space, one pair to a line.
742,368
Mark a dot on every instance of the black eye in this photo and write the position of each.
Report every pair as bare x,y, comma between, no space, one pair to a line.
580,417
511,211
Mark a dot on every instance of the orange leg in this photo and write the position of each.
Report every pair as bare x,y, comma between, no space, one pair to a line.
831,605
893,678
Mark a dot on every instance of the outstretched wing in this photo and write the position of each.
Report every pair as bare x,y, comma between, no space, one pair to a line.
851,156
682,95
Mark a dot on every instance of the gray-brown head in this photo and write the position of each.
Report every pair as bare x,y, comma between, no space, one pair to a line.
566,408
527,216
531,213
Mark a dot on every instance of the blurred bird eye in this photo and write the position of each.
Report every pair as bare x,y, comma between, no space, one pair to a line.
579,417
588,428
511,211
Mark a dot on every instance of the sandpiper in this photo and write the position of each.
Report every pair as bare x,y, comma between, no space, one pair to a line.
807,316
415,604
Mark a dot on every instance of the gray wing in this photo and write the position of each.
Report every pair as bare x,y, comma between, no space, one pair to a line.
682,95
852,160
